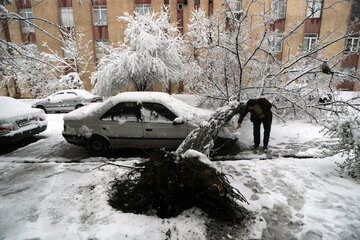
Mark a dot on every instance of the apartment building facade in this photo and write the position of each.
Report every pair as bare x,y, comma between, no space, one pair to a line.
98,20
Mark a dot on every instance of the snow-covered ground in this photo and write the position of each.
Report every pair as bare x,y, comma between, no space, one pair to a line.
54,190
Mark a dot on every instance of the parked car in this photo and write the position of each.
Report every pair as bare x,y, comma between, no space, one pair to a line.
133,120
19,121
66,100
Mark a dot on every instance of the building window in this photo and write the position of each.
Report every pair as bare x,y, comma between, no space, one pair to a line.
100,48
66,47
310,40
278,9
348,73
67,17
235,5
276,43
314,8
100,15
143,9
352,44
355,10
31,46
27,25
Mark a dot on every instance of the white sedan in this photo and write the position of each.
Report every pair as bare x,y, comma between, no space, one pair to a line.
19,121
66,100
133,120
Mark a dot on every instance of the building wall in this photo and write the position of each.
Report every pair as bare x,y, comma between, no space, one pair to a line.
296,10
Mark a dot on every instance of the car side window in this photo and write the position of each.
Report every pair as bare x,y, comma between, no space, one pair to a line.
57,96
154,112
123,112
69,95
72,94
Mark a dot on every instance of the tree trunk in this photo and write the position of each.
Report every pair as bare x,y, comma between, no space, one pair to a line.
203,137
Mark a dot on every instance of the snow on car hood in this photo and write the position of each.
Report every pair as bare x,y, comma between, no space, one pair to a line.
84,112
12,109
181,109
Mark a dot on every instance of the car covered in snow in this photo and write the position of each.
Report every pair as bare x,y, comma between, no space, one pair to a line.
66,100
19,121
133,120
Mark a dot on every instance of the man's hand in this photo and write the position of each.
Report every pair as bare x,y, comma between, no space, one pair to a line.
262,116
238,126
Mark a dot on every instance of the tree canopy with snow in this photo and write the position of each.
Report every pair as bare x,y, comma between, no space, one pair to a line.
242,55
152,51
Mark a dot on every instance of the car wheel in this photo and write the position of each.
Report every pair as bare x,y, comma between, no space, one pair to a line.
78,106
41,107
97,145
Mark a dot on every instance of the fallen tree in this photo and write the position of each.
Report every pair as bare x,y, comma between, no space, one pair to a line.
171,182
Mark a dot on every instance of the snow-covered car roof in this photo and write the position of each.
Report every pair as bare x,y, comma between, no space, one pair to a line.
11,108
178,107
79,92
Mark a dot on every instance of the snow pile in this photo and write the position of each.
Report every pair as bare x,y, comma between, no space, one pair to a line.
12,109
195,154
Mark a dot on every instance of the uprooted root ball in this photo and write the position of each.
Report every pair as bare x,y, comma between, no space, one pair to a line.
170,184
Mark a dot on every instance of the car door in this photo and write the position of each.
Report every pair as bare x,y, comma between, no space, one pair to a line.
53,102
69,101
159,127
122,125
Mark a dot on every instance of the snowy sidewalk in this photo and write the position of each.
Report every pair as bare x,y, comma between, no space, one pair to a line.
44,195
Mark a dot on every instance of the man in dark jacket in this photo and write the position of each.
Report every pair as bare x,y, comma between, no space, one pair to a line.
260,110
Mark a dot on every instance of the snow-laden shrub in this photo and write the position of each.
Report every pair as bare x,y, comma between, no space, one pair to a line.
347,130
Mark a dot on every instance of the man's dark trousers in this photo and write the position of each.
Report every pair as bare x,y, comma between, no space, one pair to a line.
267,128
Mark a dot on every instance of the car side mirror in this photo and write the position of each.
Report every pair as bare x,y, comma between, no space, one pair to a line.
178,121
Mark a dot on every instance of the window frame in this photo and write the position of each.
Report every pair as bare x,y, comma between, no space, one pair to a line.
235,5
310,43
180,6
275,43
99,50
350,48
314,8
67,52
25,25
100,9
143,9
135,106
160,109
65,19
278,9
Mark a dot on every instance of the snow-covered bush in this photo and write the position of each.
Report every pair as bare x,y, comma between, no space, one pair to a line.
347,130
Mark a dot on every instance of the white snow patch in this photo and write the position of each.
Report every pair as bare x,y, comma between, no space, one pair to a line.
195,154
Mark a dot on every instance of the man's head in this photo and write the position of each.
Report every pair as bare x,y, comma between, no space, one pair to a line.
251,103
